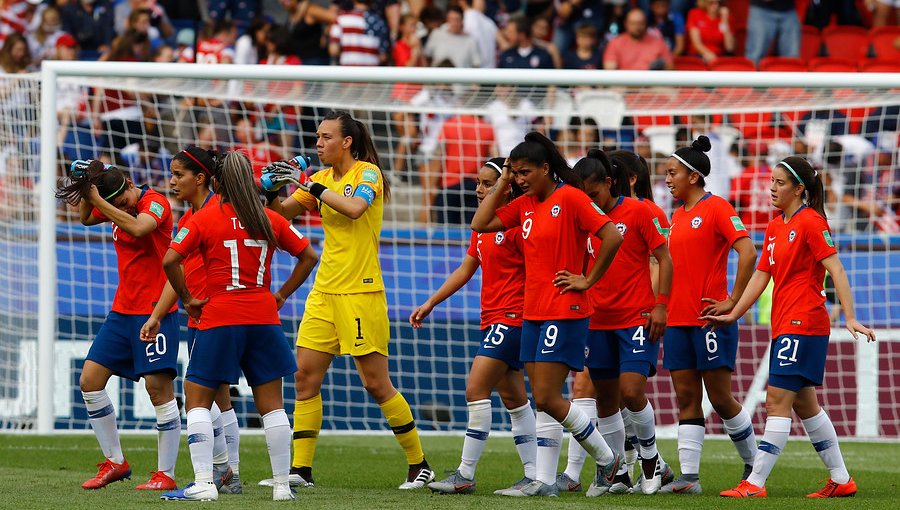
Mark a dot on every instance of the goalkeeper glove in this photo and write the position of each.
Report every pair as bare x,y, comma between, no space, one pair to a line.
279,173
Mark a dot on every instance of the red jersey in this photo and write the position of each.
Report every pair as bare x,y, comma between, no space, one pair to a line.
502,276
194,271
554,234
468,142
141,276
213,51
623,298
238,267
792,256
751,195
662,221
699,242
712,31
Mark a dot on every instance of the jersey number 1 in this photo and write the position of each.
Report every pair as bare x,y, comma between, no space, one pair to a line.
232,246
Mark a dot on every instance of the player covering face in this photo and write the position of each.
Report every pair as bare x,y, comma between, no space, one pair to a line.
554,212
798,251
496,365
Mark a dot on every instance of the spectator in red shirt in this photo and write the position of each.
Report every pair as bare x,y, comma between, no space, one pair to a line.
708,30
637,50
750,193
407,52
260,152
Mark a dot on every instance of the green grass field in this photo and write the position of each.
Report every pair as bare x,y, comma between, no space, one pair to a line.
362,472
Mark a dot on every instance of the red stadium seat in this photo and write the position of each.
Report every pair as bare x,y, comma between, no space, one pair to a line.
846,42
689,63
876,65
740,39
832,65
882,39
649,99
783,64
810,43
732,64
855,116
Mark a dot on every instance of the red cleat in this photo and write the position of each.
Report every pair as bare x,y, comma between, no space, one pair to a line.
109,472
833,489
745,489
158,482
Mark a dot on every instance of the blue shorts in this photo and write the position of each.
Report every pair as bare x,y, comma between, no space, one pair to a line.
797,361
220,354
611,352
694,347
502,342
118,346
555,341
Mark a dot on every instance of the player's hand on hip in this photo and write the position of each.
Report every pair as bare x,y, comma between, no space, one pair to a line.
714,322
149,330
854,327
656,322
194,307
279,300
717,307
569,282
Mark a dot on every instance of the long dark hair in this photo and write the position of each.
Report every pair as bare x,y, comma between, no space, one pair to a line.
811,181
199,161
537,149
111,182
362,147
637,167
236,186
597,166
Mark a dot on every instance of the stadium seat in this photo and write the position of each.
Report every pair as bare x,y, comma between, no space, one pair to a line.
877,65
732,64
648,99
606,107
783,64
882,39
832,65
846,42
855,116
810,43
563,108
740,40
689,63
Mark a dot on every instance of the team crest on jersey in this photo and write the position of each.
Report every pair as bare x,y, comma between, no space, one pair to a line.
499,237
621,227
555,210
348,190
696,222
792,235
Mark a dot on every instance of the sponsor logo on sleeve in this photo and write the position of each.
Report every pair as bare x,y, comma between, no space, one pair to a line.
369,175
597,208
181,235
828,240
157,209
738,224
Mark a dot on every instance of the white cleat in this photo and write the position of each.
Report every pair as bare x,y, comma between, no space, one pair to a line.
204,491
282,492
294,479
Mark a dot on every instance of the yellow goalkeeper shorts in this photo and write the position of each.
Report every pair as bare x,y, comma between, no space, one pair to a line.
354,324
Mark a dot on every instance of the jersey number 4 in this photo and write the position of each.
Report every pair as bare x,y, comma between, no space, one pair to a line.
232,246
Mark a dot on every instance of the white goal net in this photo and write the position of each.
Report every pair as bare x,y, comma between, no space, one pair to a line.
432,132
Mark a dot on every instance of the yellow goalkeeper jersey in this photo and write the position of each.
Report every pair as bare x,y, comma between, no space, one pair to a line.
349,262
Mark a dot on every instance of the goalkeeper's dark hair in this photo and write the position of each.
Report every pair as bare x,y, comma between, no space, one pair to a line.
537,149
598,167
199,161
637,167
237,187
811,181
362,147
111,182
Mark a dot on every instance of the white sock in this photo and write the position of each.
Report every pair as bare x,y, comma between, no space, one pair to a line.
523,431
200,443
168,427
278,441
690,446
220,448
549,440
824,439
740,429
630,433
102,417
581,428
232,439
778,429
480,417
644,422
577,454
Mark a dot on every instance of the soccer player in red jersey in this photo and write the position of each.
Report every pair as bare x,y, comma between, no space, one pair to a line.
704,229
141,229
556,218
496,365
239,328
798,251
191,178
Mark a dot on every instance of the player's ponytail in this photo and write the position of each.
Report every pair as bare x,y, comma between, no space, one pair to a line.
634,166
801,172
596,166
361,147
199,161
237,187
537,149
110,181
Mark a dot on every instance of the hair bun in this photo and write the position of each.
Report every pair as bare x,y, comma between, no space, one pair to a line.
595,154
701,144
